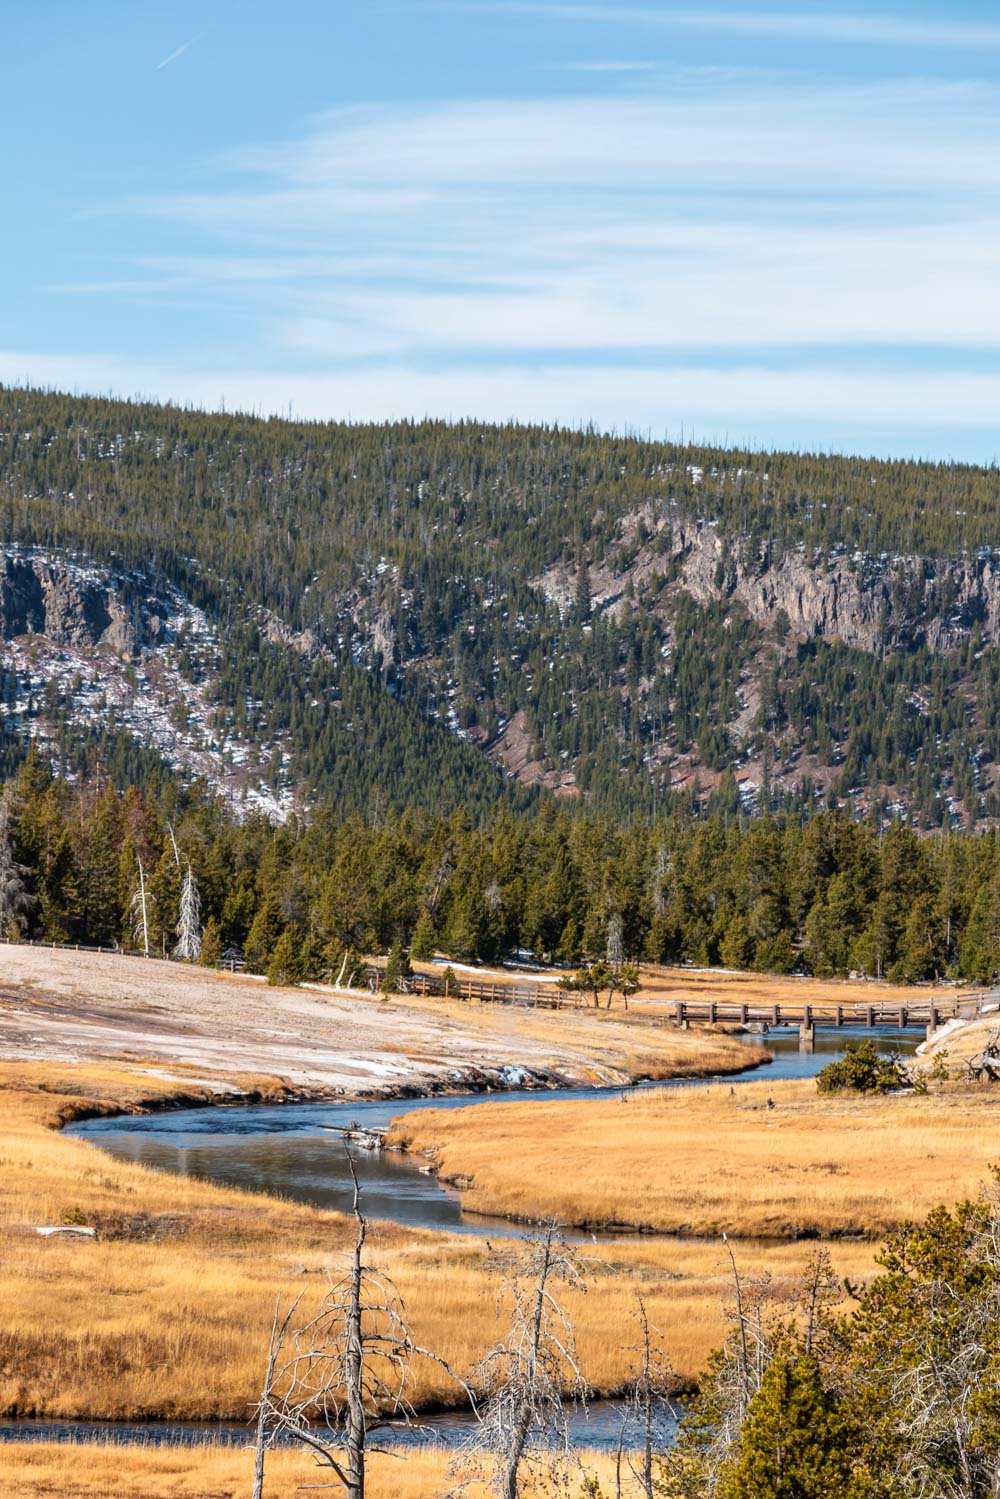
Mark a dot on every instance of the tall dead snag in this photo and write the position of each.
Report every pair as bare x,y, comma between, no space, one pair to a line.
525,1380
647,1410
345,1373
139,909
266,1424
188,944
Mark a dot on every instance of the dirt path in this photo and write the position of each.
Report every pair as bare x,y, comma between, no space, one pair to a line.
66,1006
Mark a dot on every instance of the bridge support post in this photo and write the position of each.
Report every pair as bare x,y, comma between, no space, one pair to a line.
933,1021
807,1036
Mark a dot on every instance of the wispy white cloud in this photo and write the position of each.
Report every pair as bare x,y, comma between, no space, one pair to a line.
715,218
917,136
173,56
812,26
680,290
713,251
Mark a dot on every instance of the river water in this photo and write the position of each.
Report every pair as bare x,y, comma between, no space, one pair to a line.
290,1150
597,1426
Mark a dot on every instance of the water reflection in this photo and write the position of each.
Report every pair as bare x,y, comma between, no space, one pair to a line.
597,1426
288,1150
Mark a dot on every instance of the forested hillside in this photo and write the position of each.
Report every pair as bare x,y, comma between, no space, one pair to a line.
453,615
85,863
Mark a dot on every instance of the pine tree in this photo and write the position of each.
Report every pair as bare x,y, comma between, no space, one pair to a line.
424,937
570,947
794,1443
15,898
396,969
211,944
265,929
285,967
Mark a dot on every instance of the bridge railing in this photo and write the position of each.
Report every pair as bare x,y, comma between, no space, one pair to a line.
929,1012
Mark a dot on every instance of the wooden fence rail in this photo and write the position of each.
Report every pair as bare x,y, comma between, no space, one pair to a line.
926,1014
486,991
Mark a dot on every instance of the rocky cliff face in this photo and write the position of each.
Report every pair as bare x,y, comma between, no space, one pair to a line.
867,602
69,607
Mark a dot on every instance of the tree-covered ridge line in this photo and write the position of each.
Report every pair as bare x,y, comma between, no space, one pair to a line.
826,897
610,610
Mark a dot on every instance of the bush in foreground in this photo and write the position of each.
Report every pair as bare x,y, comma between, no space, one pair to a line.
863,1069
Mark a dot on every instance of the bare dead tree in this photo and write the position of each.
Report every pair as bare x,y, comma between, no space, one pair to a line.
647,1406
343,1375
527,1377
138,907
264,1433
737,1372
189,920
616,943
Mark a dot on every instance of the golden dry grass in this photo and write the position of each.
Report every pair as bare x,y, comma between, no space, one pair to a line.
710,1159
166,1314
50,1471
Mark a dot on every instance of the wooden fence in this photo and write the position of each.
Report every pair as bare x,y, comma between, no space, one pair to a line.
485,991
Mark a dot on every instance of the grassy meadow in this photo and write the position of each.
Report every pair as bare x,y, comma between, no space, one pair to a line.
718,1158
166,1313
50,1471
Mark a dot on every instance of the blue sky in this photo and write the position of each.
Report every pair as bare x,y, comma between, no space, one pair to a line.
772,225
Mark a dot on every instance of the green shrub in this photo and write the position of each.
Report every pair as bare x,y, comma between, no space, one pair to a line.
864,1069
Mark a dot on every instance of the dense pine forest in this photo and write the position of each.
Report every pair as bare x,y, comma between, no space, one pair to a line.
86,863
460,616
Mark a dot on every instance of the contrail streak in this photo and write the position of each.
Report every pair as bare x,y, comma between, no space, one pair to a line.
173,56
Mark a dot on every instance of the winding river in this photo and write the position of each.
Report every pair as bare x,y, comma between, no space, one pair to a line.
289,1150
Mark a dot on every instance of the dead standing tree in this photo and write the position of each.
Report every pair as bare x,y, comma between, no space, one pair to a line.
139,909
525,1380
345,1374
189,920
647,1408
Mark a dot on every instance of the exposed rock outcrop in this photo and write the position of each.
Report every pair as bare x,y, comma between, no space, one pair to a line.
40,597
862,601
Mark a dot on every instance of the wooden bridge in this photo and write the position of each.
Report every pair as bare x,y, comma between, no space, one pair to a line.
924,1014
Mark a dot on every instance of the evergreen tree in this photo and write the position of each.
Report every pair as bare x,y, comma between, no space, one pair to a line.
211,944
424,938
15,898
265,930
397,968
795,1443
285,964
